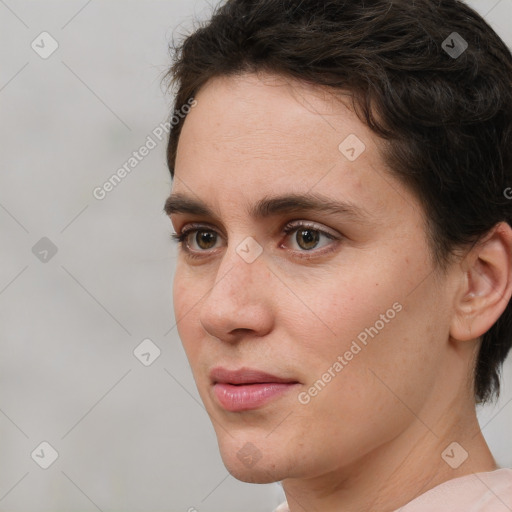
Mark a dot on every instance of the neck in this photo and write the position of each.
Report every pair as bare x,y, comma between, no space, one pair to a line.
401,470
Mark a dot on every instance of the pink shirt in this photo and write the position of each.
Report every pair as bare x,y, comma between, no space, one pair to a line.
479,492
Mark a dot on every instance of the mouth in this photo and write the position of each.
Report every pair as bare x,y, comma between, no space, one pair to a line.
246,388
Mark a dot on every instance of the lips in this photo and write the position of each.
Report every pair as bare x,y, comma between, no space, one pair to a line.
244,376
246,388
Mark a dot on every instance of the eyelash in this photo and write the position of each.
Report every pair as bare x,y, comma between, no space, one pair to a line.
288,229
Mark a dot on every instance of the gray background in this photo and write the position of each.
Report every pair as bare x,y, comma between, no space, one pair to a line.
129,437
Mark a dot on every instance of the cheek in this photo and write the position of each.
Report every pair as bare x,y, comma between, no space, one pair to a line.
186,303
368,340
340,310
362,406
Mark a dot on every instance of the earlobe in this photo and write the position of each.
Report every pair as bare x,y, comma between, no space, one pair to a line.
486,285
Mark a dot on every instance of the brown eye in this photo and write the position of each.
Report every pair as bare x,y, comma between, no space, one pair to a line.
205,239
307,238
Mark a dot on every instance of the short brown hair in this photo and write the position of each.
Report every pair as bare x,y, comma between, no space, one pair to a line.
447,117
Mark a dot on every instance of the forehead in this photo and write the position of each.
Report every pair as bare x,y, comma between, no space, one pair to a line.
255,135
239,113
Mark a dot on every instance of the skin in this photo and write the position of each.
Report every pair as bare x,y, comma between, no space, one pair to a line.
372,439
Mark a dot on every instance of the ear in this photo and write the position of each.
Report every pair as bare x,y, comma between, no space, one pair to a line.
486,284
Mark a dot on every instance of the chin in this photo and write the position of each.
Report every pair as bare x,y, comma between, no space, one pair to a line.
255,475
249,463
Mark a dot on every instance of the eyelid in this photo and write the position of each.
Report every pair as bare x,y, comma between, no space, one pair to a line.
183,233
315,253
295,224
288,228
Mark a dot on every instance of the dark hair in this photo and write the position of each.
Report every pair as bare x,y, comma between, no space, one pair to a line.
446,118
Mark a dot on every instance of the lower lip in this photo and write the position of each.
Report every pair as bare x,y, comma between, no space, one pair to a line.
249,396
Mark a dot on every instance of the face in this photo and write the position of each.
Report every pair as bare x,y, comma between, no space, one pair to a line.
304,293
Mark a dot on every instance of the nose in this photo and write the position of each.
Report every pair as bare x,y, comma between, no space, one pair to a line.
239,301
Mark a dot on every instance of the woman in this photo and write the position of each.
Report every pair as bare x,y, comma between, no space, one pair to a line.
344,273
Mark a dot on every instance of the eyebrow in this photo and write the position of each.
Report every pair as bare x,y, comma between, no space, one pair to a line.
270,206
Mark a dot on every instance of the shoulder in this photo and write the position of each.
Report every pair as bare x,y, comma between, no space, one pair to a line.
283,507
478,492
